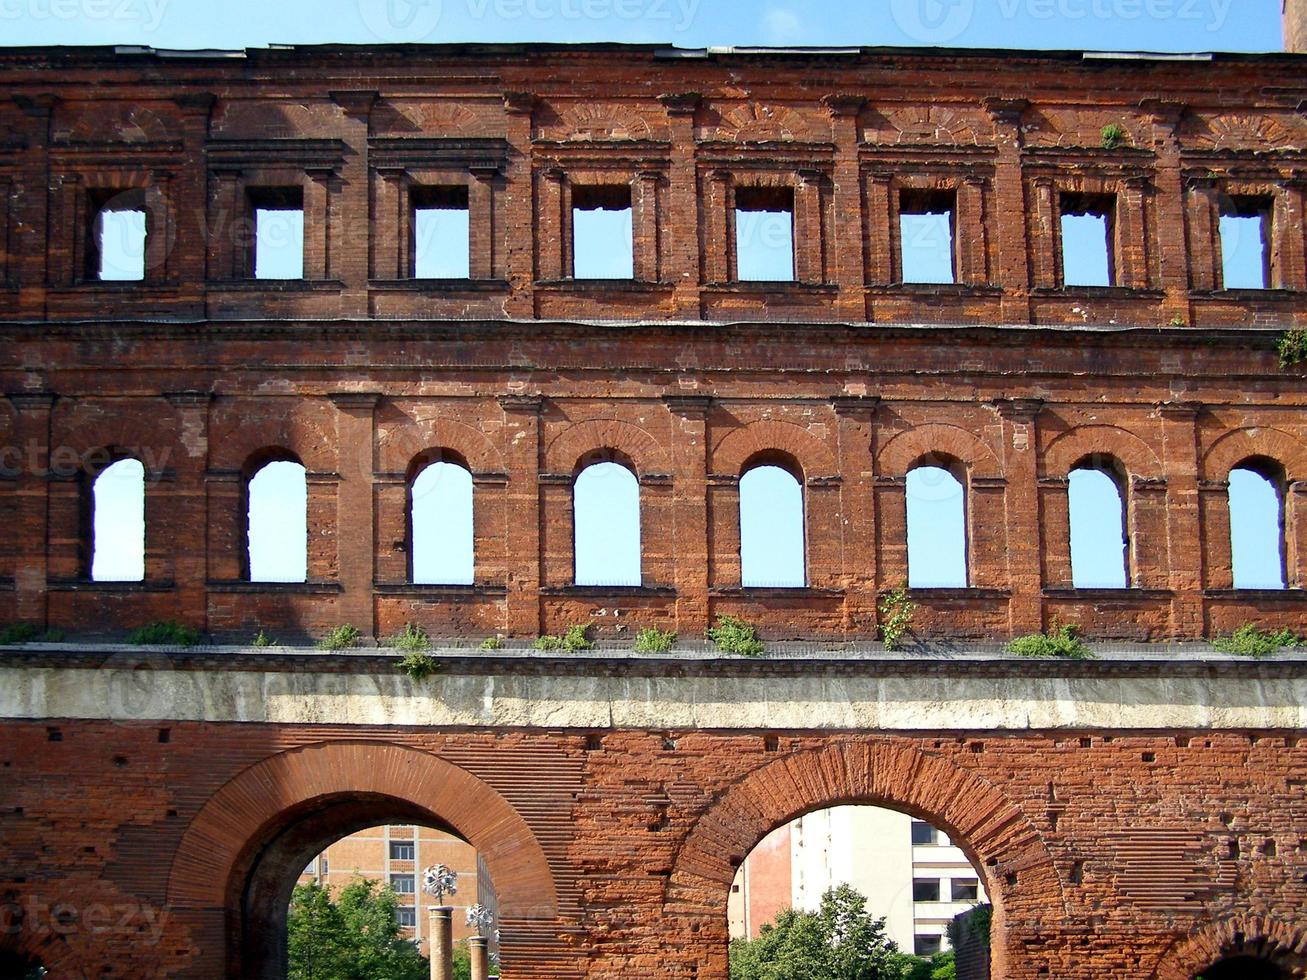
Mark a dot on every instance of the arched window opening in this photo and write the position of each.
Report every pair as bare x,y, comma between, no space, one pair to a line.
1241,968
118,523
1098,529
873,864
277,522
361,899
440,524
1257,526
937,529
771,528
606,524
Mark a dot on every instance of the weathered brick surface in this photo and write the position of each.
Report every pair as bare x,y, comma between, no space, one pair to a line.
1108,857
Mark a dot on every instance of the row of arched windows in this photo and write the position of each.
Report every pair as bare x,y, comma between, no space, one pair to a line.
606,525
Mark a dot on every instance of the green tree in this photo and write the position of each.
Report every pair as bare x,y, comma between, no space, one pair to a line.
352,937
840,941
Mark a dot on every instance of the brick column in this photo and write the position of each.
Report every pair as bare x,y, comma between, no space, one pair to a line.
187,514
645,233
857,460
555,240
320,190
440,938
1055,530
1204,241
1173,252
187,262
718,228
809,262
1021,513
848,258
355,526
485,259
1045,264
690,509
1287,225
392,237
681,223
522,456
228,234
891,530
1295,520
1147,533
1183,527
880,237
518,206
1214,521
973,249
1014,247
351,205
1132,236
31,216
32,505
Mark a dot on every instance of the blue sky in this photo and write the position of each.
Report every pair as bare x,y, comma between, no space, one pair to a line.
1168,25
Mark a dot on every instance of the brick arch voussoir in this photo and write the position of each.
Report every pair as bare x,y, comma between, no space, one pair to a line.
993,830
911,445
1080,441
568,447
255,800
403,442
1233,448
308,431
85,426
1283,943
736,447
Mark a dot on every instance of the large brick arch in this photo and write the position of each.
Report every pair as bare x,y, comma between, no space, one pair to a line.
402,439
906,448
1233,448
737,446
1101,440
1279,941
996,835
248,806
567,448
243,427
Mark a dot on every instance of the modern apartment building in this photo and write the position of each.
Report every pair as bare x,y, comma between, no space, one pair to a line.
911,873
397,855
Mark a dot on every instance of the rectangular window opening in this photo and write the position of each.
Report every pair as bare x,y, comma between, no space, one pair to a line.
406,916
401,851
1245,228
764,234
926,945
925,889
1088,232
115,250
278,247
923,833
602,242
926,236
965,889
441,245
402,884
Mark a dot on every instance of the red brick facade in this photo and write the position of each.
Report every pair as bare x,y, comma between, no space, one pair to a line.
1147,854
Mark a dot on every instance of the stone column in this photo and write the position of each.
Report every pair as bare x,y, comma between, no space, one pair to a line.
354,499
522,456
1021,505
476,946
690,509
440,940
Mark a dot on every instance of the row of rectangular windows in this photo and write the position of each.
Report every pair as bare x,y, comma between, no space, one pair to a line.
603,247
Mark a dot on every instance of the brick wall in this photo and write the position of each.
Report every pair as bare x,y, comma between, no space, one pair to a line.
1295,25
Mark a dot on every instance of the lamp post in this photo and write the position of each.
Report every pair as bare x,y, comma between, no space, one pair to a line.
479,918
439,881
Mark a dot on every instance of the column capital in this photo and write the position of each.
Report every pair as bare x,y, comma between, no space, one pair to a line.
843,104
522,404
1182,411
32,401
689,406
357,401
187,399
861,407
1006,110
357,103
1164,112
1018,409
519,103
681,103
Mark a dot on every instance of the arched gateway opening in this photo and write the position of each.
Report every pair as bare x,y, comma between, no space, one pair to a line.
1242,968
994,834
241,857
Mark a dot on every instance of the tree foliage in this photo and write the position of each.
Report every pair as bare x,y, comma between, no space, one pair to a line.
352,937
840,941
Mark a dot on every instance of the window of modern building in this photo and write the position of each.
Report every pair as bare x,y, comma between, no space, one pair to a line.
406,916
964,890
117,545
1257,526
277,522
926,235
602,243
1245,227
926,945
923,833
402,884
115,249
606,524
440,525
937,529
440,227
925,889
401,850
278,247
771,529
1087,239
1098,535
764,234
